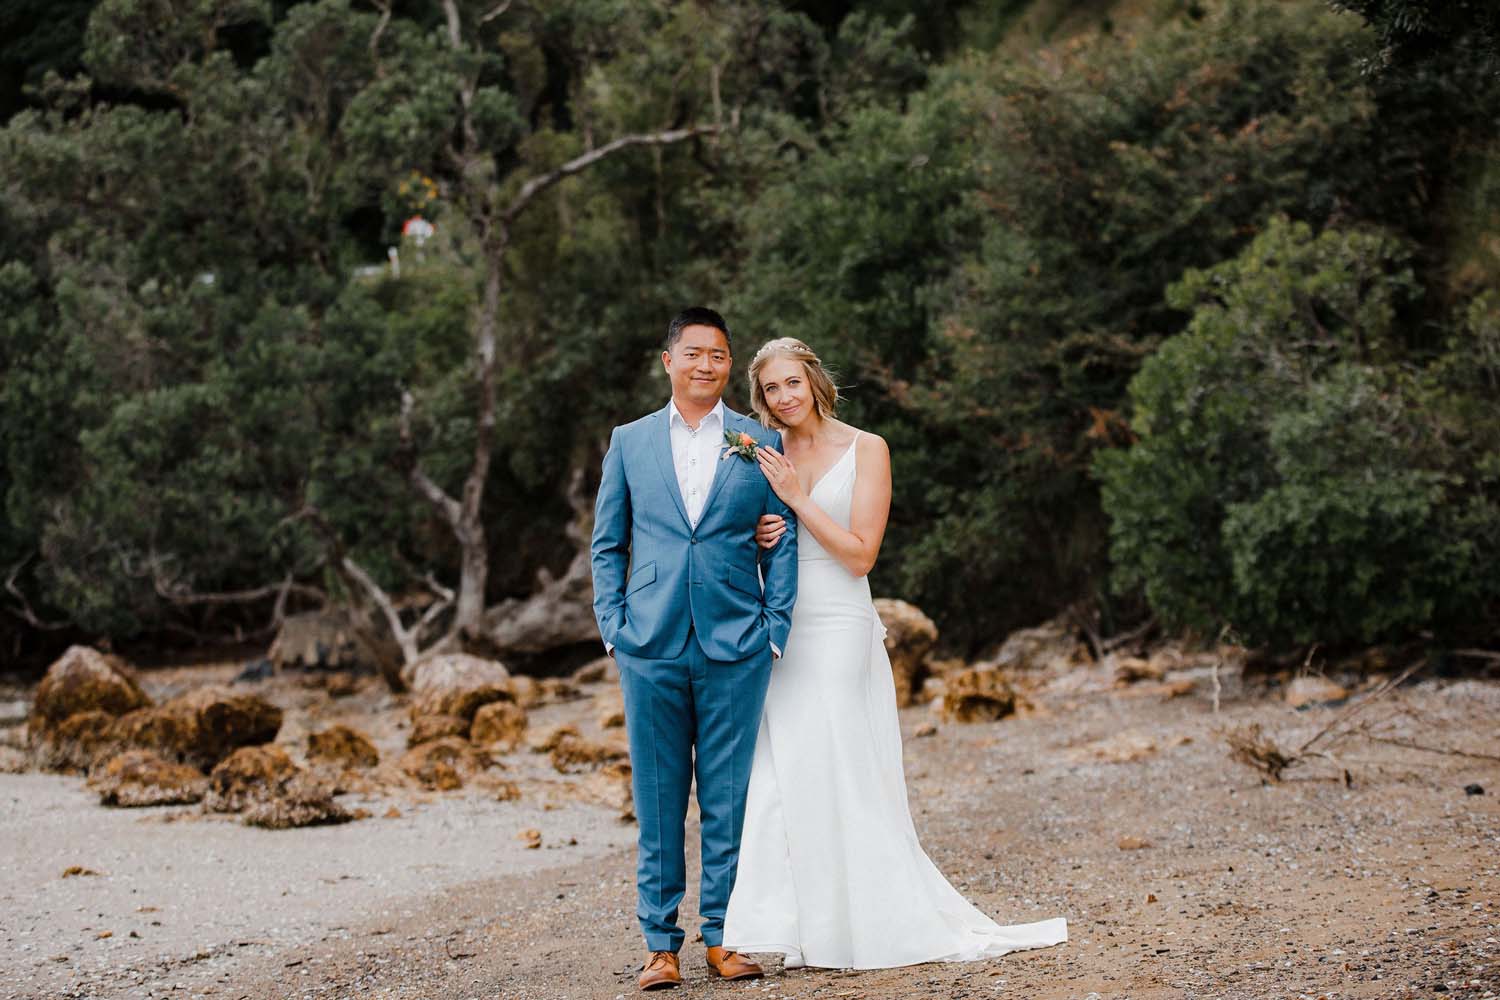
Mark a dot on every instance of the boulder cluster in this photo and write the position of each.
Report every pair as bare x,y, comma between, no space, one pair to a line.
212,745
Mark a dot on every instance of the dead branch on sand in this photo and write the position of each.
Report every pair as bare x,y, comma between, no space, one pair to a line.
1254,748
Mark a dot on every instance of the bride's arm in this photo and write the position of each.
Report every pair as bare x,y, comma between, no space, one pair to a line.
857,547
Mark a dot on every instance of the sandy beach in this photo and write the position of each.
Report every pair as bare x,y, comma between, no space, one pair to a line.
1181,873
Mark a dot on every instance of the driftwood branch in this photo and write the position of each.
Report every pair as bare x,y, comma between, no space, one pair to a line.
1251,746
583,161
1446,751
1126,638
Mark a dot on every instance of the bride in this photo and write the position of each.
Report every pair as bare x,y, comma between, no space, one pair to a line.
830,871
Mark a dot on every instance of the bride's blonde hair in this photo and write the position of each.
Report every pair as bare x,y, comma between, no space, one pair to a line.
825,394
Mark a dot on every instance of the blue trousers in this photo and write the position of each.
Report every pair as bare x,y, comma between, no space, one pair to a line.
672,709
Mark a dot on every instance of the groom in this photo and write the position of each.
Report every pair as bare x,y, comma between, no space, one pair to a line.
681,608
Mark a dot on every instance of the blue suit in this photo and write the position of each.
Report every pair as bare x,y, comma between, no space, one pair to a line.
692,629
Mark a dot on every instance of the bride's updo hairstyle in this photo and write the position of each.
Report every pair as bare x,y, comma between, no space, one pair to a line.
824,393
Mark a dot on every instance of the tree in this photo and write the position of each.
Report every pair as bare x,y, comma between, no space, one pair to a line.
1288,481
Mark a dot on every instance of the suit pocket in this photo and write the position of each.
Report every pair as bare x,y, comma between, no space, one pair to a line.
741,580
640,578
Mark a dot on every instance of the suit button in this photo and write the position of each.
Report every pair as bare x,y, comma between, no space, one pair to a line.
694,539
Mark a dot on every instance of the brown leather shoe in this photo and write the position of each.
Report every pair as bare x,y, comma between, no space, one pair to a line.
661,971
733,965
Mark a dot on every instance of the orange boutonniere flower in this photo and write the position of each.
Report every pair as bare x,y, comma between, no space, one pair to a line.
740,444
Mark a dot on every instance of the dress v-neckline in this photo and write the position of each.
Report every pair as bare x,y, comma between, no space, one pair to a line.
836,463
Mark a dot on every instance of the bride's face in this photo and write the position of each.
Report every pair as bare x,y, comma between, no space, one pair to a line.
787,390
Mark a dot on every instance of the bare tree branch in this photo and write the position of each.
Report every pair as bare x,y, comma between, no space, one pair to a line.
24,612
178,594
583,161
435,494
381,25
466,89
405,638
497,11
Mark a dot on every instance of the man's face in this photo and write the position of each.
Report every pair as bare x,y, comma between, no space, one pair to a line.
698,365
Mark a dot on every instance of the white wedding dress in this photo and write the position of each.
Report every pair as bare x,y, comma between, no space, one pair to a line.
830,871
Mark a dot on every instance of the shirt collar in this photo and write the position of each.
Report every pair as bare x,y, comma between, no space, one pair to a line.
716,413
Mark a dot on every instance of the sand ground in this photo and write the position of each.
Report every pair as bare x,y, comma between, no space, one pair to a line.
1385,887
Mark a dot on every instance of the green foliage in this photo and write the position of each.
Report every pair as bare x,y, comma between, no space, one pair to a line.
1414,30
202,360
1288,480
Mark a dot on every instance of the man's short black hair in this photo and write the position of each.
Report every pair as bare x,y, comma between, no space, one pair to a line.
695,316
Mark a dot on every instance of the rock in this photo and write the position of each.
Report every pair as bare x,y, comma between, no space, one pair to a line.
526,691
1133,843
144,778
327,639
1052,647
301,801
1129,669
609,710
597,671
201,727
1178,688
226,721
442,764
247,776
79,742
342,746
1474,789
573,754
1122,748
457,684
426,728
938,669
255,670
558,689
13,761
1313,690
505,791
546,740
924,730
933,688
531,836
610,787
982,694
909,635
83,680
500,724
342,685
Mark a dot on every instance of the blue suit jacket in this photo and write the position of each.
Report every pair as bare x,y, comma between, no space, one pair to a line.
654,574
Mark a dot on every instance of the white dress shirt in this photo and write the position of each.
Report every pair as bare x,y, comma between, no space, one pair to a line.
695,455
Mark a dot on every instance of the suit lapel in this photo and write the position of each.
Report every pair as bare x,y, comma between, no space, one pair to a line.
721,472
661,446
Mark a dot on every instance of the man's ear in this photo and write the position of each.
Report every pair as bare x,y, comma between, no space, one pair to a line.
666,360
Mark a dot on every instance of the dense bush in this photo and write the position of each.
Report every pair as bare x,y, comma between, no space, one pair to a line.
1291,479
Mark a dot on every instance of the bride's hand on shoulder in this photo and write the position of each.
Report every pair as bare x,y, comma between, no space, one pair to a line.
781,474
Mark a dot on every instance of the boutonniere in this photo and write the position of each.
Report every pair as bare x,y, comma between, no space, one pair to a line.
739,443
